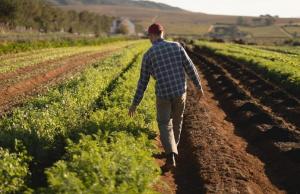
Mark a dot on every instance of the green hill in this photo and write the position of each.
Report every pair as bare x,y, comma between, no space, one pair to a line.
175,20
144,4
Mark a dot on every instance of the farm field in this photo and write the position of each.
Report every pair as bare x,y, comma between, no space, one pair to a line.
278,65
282,49
14,63
70,81
64,126
51,136
294,30
245,105
266,32
26,72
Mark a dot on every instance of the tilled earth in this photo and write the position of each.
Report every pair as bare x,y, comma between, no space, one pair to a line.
242,137
224,164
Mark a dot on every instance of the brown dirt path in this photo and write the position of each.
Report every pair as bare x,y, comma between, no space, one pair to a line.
225,166
167,184
185,178
213,159
273,142
273,97
15,93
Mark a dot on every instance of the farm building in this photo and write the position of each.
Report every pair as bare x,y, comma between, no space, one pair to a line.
123,26
225,31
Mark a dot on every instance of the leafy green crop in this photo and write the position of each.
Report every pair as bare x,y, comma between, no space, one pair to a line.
44,123
14,170
11,63
291,50
118,157
20,46
118,163
80,137
281,67
114,115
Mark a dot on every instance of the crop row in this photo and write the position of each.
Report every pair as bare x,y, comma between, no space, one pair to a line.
292,50
12,63
118,157
282,68
27,45
39,130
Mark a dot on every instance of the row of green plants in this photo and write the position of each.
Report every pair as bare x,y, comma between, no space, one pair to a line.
27,45
44,124
14,169
280,67
13,62
117,158
292,50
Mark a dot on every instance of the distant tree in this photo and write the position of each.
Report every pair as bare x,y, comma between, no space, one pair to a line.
40,15
241,21
106,23
7,11
268,19
264,20
295,34
28,11
139,28
72,21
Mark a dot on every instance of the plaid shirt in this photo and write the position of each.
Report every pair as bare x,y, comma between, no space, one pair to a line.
167,63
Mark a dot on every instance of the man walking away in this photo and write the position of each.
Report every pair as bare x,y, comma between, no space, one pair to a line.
167,62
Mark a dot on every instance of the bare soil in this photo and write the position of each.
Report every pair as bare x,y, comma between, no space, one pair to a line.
235,140
242,137
283,103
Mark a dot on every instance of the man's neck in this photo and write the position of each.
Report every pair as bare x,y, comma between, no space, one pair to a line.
158,39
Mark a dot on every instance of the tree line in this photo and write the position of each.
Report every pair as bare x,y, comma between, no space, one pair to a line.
262,20
42,16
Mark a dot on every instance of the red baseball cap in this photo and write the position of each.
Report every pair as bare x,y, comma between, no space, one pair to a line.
155,28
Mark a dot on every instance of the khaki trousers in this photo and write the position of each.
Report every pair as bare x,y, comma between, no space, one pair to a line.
169,119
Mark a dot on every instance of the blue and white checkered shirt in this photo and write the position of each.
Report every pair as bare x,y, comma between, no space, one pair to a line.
167,63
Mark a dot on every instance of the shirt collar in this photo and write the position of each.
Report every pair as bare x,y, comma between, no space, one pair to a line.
158,41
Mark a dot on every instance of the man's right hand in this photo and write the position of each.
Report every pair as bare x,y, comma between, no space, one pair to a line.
131,111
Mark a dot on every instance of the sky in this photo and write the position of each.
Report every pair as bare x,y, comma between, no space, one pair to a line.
283,8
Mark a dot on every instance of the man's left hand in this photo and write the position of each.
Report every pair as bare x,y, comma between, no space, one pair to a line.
131,111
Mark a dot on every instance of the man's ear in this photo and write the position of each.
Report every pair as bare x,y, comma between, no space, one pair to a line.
151,37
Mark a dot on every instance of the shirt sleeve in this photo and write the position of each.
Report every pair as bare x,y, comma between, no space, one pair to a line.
190,69
143,82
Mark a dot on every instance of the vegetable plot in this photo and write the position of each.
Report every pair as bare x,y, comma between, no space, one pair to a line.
282,68
79,129
11,63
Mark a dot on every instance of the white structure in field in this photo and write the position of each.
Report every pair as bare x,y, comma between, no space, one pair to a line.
123,26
